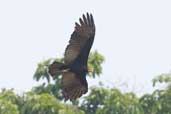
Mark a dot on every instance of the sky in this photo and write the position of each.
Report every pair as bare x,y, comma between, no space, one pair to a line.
133,35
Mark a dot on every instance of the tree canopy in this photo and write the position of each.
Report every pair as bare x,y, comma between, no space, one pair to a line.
46,98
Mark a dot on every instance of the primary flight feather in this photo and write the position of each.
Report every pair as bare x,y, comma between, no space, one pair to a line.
74,68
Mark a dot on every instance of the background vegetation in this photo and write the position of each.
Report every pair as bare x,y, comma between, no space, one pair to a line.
47,99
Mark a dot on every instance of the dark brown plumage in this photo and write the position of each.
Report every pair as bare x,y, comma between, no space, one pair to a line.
74,68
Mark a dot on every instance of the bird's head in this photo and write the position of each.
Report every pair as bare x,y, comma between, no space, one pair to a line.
90,70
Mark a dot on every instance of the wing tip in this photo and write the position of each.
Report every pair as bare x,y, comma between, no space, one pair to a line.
86,19
74,94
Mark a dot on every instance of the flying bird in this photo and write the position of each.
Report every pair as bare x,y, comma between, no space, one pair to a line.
74,68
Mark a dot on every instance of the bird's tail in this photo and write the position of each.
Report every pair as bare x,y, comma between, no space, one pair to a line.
57,68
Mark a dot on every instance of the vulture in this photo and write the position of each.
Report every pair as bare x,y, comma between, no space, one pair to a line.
74,68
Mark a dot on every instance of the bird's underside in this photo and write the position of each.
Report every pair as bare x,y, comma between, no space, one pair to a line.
74,68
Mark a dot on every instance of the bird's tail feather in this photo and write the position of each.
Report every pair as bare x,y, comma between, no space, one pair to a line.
57,68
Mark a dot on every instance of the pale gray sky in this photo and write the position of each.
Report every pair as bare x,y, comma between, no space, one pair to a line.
133,35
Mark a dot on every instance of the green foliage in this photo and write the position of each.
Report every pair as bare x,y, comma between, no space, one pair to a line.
8,101
33,103
120,103
47,99
53,89
101,100
8,95
94,100
42,70
40,104
95,61
112,101
7,107
69,109
165,77
158,102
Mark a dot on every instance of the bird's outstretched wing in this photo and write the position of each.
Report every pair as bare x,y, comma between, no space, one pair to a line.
81,40
73,87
